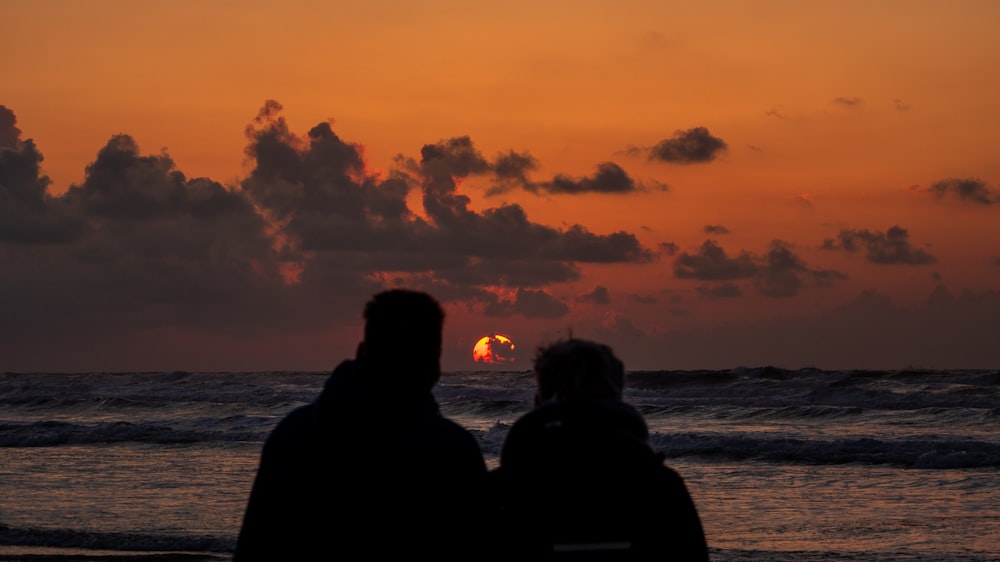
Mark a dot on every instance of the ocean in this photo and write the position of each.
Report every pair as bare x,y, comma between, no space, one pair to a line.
782,464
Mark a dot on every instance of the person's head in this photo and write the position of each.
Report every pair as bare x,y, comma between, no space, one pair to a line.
577,369
403,337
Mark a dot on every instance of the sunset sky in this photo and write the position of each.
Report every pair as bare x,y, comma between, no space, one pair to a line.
222,185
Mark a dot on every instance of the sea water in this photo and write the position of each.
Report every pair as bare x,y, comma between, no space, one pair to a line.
782,464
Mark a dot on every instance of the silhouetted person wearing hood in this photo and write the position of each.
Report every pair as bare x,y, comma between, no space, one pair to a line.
577,478
371,469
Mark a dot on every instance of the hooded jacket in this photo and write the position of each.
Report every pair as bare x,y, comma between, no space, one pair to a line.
578,480
364,471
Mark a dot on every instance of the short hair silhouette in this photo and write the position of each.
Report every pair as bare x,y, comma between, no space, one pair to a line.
403,334
371,468
576,369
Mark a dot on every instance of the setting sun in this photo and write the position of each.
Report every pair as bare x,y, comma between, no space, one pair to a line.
494,348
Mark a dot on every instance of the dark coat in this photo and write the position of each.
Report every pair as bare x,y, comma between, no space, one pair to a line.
363,473
578,480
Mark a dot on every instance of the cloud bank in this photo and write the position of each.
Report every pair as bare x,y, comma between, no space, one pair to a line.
778,273
137,245
971,190
891,247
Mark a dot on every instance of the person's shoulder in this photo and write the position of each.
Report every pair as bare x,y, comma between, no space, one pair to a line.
669,475
450,429
299,416
295,426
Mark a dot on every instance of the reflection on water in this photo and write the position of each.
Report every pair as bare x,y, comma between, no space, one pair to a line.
844,508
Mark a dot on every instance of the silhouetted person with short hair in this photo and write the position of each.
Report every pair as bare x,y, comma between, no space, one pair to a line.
371,469
577,478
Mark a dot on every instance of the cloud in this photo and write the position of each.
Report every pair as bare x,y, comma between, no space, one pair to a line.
447,160
783,274
720,291
150,250
330,204
890,247
946,331
973,190
642,299
692,146
137,246
511,170
454,157
716,229
669,248
900,105
530,304
711,263
28,215
848,102
619,324
507,272
609,178
778,273
599,295
10,135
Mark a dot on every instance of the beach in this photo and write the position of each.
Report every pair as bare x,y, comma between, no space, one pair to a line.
782,464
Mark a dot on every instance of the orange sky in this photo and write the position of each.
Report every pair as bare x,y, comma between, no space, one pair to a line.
839,121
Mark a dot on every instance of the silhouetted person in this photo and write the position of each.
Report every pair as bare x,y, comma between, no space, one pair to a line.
577,479
371,469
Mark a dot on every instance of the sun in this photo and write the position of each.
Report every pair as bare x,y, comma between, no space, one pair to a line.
495,348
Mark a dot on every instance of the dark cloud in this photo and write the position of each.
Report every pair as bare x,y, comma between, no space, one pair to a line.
973,190
848,102
530,304
510,170
457,158
711,263
152,250
446,161
890,247
331,205
778,273
619,324
599,295
669,248
720,291
900,105
688,147
10,135
504,232
28,215
947,331
505,272
454,157
138,247
783,274
643,299
609,178
578,244
716,229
